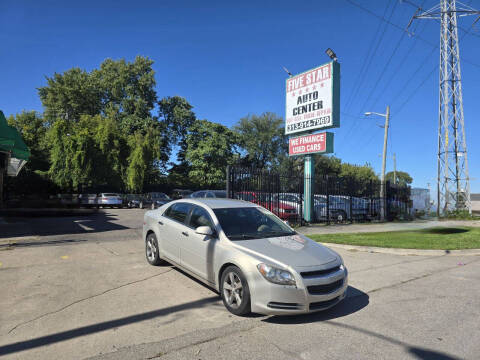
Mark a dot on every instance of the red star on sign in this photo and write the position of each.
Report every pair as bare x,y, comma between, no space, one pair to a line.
300,92
293,94
314,87
307,89
321,85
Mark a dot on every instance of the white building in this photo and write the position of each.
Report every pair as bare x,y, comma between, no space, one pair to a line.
420,199
475,200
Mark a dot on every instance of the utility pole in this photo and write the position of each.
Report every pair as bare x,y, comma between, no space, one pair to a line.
384,161
453,182
394,169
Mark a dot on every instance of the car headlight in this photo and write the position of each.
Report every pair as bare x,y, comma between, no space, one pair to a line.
276,275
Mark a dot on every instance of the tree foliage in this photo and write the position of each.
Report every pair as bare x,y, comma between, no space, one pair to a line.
262,139
402,178
210,148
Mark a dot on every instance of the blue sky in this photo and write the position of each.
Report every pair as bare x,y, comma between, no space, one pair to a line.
226,58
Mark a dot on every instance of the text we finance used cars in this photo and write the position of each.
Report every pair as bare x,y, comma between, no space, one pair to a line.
256,261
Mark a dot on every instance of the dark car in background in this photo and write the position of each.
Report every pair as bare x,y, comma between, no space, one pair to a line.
154,200
209,194
132,200
180,194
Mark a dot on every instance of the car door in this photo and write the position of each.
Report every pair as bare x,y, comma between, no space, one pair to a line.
171,228
197,250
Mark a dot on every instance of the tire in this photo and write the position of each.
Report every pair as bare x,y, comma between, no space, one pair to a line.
241,289
152,252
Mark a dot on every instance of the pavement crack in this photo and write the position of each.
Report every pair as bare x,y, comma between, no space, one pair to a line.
85,299
416,278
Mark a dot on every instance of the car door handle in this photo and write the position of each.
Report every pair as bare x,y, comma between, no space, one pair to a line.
184,233
161,223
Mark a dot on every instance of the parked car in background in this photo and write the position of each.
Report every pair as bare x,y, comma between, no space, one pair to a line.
180,194
154,200
88,200
279,208
209,194
319,207
359,208
132,200
109,200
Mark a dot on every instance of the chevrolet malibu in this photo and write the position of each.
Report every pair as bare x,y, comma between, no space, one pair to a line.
250,256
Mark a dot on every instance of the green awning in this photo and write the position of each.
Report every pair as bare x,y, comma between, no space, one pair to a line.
11,142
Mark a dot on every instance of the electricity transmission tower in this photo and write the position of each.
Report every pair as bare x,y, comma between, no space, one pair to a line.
453,183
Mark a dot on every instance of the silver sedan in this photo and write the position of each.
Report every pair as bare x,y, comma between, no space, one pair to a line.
251,257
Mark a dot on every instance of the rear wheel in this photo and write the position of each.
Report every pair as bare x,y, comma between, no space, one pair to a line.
234,291
151,250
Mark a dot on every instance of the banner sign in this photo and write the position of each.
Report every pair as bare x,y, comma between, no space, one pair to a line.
310,144
313,99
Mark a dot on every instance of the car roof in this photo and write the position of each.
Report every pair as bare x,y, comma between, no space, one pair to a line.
218,203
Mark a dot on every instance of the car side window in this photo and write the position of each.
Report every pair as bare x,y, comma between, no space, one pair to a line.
198,194
200,217
178,212
210,195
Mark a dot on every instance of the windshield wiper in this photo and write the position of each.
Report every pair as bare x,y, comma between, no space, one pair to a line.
242,237
277,233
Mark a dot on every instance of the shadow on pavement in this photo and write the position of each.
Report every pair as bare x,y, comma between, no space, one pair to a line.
420,353
61,225
106,325
356,300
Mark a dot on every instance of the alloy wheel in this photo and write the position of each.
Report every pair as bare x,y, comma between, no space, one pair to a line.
233,290
151,249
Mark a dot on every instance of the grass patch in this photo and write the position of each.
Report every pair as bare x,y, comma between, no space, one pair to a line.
439,238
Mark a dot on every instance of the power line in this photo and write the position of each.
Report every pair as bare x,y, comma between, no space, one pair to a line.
367,59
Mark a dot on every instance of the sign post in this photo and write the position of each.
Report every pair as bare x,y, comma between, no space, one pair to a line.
312,103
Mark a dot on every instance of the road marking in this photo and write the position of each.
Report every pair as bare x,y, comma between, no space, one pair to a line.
64,257
84,227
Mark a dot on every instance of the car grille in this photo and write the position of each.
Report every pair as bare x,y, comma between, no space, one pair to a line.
323,304
308,274
325,289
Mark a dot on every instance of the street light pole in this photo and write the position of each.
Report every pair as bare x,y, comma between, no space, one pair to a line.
384,161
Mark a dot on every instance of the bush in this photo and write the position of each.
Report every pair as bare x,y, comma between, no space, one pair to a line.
458,215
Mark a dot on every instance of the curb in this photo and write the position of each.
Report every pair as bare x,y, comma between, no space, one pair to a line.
395,251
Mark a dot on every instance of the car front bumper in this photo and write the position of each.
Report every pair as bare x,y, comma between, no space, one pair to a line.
272,299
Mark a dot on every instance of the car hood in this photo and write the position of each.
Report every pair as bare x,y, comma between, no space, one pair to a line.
295,250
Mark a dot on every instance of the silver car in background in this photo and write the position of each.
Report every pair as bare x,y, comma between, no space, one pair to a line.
109,200
256,261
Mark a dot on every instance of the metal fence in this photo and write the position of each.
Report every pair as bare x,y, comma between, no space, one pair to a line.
334,199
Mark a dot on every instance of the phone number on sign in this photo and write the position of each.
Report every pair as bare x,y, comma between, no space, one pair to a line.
307,124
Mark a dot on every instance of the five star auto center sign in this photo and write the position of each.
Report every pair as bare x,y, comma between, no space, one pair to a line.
312,104
313,99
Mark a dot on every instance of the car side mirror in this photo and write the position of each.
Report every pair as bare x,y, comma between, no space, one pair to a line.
204,230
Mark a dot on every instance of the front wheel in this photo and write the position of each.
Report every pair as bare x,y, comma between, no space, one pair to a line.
152,252
234,291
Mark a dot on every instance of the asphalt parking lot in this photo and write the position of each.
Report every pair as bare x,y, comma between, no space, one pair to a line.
79,287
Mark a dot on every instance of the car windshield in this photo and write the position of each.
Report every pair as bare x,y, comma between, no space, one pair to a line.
251,223
160,196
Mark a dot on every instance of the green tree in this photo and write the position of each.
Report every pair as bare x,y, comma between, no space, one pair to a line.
32,127
362,173
262,138
403,178
128,92
210,148
69,95
175,118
